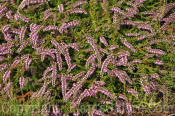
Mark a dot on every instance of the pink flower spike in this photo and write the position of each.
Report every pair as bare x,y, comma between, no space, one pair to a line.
78,10
158,62
21,82
132,91
121,96
55,110
6,75
103,40
78,3
60,8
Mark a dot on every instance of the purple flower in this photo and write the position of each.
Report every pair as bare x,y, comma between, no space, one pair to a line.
3,9
60,8
136,61
28,2
71,67
81,97
50,27
129,107
128,22
154,76
152,85
162,11
122,75
59,60
74,46
55,110
65,26
155,51
145,26
121,96
22,46
132,91
130,12
113,47
23,18
78,3
132,34
78,75
119,75
22,34
115,17
76,114
98,113
63,86
128,45
10,93
21,82
1,58
15,63
117,9
103,40
106,92
146,88
158,62
141,37
121,54
105,64
54,74
9,14
67,57
78,10
155,41
3,66
91,59
41,91
6,75
122,61
92,42
99,83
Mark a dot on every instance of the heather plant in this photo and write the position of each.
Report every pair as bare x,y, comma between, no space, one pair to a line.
86,58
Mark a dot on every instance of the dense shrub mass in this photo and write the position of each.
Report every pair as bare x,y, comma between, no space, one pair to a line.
91,57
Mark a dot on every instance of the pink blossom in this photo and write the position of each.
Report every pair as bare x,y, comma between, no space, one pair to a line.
103,40
129,107
55,110
91,59
132,91
105,64
158,62
60,8
78,3
119,75
3,66
21,82
78,10
136,61
78,75
121,96
50,27
117,9
113,47
128,45
132,34
145,26
141,37
6,75
63,86
155,51
9,14
23,18
22,34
